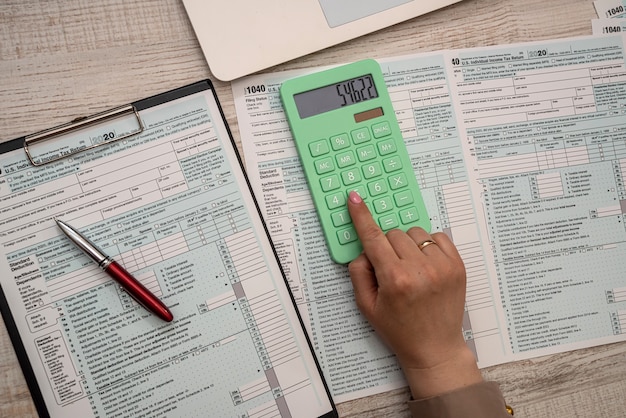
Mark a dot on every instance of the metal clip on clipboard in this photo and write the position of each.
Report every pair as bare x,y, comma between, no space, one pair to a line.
82,134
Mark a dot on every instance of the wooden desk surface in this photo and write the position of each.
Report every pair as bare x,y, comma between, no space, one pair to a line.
60,59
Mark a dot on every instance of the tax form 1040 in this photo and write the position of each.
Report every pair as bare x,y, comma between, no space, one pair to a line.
520,154
172,205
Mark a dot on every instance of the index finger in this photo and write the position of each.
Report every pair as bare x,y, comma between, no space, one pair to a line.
376,246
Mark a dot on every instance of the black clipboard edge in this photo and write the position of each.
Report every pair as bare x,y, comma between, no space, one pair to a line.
12,145
140,105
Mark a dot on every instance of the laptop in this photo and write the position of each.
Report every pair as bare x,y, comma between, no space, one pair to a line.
240,37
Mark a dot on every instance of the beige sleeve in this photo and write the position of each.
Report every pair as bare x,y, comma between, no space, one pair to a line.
481,400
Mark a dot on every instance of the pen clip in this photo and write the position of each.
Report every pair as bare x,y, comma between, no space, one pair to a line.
88,139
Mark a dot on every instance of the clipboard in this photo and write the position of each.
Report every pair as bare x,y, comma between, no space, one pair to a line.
103,140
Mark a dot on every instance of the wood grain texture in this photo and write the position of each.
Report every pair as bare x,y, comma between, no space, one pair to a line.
61,59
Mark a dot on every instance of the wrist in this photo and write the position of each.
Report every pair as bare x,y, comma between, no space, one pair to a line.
458,370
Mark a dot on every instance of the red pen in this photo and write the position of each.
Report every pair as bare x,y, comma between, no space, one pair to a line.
132,286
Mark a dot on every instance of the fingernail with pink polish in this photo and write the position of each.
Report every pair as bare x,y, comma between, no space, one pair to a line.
355,197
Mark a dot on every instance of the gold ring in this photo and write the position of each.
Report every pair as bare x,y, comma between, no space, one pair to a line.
425,244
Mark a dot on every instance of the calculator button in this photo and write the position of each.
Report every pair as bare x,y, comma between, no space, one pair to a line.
330,183
350,177
371,170
409,215
318,148
403,198
360,135
366,153
345,159
381,129
341,218
339,142
347,235
397,181
377,187
383,204
359,189
335,200
386,147
324,165
388,222
392,164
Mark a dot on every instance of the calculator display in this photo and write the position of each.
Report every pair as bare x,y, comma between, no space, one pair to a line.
335,96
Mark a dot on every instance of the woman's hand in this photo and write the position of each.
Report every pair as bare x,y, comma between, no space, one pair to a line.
414,297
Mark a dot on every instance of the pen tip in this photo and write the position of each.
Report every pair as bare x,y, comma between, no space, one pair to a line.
167,316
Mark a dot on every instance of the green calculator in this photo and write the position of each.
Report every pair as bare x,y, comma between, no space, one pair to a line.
348,138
